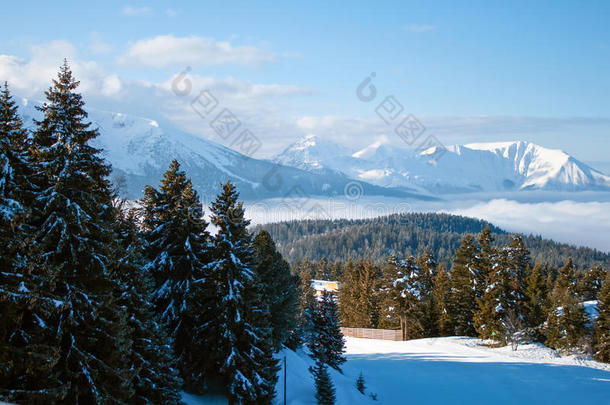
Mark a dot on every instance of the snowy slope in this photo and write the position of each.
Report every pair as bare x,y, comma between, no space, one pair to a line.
462,168
141,149
447,370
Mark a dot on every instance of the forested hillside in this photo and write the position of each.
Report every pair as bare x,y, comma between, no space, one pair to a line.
406,234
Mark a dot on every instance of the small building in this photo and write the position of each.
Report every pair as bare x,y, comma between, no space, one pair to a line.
320,286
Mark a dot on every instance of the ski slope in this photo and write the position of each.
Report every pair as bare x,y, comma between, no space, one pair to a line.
455,370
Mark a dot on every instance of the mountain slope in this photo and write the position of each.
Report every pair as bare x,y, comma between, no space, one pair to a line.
140,150
460,168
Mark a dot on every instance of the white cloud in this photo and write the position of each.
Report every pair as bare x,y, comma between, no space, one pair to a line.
579,223
168,50
133,11
30,78
97,44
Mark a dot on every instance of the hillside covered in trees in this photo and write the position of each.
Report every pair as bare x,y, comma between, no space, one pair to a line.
408,234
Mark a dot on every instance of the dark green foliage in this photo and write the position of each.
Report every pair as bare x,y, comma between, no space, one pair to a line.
360,384
325,390
279,292
536,296
462,296
236,333
176,249
591,282
441,294
74,242
566,327
156,379
602,323
403,285
28,353
408,234
428,268
359,295
326,340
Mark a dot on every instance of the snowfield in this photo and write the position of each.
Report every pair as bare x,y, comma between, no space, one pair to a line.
449,370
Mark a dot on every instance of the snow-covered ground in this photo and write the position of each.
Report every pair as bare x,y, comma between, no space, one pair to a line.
450,370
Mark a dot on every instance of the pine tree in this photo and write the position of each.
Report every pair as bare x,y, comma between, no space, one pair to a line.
176,244
326,341
156,379
535,298
307,301
463,289
566,323
404,289
325,391
241,354
360,384
429,321
28,348
279,288
359,296
591,282
485,261
602,323
518,262
441,294
74,243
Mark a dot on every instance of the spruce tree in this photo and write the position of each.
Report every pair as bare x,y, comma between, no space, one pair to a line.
279,288
359,295
591,282
326,341
360,386
404,288
463,289
535,298
177,250
441,294
429,321
566,325
602,323
28,347
325,390
156,377
74,243
241,352
518,262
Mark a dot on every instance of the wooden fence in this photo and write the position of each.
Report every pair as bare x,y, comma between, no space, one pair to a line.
384,334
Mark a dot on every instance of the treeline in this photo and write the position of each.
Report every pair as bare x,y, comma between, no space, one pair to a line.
104,304
493,292
411,234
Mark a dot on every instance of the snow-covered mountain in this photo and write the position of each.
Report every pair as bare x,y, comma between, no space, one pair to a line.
140,150
488,167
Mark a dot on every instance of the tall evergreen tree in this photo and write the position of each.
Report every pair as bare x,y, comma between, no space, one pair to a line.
74,242
441,294
429,322
359,296
279,288
325,390
156,377
567,321
242,354
518,262
177,250
602,323
535,298
28,348
326,341
591,282
463,290
404,289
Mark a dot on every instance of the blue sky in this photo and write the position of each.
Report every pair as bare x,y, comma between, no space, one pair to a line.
536,70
